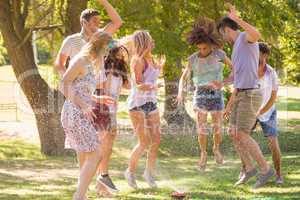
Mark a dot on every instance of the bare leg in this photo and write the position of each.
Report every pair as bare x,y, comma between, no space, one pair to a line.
87,172
81,158
243,154
202,137
217,128
138,121
276,154
251,146
107,144
153,126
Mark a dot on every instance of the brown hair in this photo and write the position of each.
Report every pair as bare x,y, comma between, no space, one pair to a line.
87,14
97,45
204,31
264,48
117,65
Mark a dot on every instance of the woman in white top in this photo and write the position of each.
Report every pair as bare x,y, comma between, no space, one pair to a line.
112,79
143,110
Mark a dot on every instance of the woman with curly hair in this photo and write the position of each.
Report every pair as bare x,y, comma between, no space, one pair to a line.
206,66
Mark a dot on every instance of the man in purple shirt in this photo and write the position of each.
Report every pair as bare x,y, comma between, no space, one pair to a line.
248,97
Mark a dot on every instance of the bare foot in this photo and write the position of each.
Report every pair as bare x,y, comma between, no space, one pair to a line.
103,192
202,162
219,157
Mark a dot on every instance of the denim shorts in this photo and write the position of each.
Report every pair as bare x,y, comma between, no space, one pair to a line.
269,127
147,108
208,99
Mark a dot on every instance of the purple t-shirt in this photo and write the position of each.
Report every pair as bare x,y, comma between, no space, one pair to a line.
245,58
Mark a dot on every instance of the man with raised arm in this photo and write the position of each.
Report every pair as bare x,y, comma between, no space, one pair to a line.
248,97
90,21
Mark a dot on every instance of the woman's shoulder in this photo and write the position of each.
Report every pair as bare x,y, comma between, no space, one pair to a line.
79,62
193,56
219,53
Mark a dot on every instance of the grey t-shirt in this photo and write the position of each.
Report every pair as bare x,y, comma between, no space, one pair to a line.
245,59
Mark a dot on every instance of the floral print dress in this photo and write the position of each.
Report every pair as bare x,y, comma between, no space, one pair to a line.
80,132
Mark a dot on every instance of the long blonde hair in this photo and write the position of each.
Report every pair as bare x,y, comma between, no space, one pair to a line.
142,41
96,48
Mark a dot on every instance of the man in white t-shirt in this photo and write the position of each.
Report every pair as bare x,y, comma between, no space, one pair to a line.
90,21
267,115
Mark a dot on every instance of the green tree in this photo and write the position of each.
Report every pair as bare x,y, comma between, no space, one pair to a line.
18,18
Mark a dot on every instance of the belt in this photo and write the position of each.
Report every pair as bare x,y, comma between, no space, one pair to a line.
245,89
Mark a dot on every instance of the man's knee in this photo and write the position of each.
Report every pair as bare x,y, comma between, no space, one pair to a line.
232,132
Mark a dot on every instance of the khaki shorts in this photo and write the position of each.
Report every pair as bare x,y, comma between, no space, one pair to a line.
245,107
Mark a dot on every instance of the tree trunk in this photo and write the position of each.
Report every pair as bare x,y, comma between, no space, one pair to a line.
45,102
176,116
74,9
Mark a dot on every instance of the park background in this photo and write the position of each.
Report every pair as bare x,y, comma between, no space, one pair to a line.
33,164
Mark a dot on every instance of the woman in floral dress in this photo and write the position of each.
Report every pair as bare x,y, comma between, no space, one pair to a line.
78,85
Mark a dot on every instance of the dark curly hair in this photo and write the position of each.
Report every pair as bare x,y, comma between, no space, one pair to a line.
264,48
204,31
115,65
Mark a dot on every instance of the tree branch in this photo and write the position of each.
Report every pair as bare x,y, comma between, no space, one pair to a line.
49,27
16,16
25,11
29,32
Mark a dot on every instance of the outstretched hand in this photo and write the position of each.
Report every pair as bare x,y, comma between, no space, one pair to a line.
161,61
232,13
179,100
217,85
88,112
104,99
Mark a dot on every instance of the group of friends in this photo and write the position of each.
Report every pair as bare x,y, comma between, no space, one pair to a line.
95,68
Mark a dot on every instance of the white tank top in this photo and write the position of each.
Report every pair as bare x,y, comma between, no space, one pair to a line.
138,97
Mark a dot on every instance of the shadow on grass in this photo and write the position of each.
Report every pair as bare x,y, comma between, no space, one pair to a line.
32,176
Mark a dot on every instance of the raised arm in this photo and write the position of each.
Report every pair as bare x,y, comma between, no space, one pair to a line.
253,35
116,21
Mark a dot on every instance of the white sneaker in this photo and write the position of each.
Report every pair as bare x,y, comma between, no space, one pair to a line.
130,178
149,179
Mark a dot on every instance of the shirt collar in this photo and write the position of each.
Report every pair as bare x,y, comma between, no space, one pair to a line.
83,36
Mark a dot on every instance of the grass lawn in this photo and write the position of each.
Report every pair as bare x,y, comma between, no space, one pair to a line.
26,174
